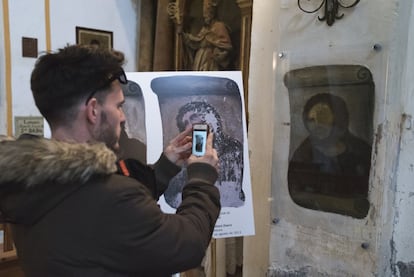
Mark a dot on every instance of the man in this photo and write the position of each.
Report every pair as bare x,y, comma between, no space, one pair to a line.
70,214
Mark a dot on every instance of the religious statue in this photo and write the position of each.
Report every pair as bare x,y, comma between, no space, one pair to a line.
210,48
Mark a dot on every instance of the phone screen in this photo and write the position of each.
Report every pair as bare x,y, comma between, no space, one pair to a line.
200,132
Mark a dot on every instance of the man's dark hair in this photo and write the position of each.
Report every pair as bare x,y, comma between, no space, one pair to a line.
62,79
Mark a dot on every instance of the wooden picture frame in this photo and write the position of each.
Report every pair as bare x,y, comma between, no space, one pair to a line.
88,36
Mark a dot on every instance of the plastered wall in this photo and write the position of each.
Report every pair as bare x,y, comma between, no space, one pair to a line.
30,18
305,242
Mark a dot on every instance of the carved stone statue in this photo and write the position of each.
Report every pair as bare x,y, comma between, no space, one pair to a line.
212,44
210,48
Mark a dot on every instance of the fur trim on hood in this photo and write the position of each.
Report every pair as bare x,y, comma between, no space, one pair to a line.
33,161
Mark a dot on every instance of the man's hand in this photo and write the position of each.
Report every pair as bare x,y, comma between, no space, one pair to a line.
179,148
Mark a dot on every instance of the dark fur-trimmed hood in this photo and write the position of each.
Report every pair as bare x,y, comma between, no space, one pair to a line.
35,161
37,173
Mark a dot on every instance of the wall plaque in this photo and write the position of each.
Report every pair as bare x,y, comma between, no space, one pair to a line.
28,125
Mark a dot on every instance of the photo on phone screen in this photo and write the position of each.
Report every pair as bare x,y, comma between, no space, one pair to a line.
200,132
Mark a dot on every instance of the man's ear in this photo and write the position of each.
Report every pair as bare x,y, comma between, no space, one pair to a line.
92,110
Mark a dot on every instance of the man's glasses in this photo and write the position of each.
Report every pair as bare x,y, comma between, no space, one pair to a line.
120,76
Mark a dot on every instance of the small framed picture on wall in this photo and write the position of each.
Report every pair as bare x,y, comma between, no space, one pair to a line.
99,38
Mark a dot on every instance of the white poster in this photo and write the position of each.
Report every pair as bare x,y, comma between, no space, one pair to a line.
159,105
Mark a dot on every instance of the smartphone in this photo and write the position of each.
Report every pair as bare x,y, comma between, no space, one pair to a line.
200,132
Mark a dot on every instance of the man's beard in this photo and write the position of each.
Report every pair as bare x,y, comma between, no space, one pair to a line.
107,134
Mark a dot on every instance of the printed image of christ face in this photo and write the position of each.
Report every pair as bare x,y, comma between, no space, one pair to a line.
229,150
193,117
216,102
134,109
133,132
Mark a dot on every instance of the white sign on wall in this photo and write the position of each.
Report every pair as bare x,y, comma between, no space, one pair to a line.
28,125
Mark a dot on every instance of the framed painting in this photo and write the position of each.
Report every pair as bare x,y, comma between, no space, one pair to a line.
88,36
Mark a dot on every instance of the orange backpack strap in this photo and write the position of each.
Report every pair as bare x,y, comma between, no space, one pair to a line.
122,167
